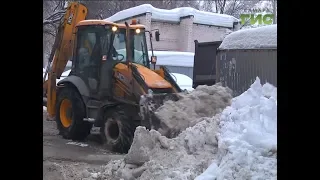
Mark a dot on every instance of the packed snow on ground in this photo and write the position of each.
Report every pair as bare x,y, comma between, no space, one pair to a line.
239,143
78,144
174,15
253,38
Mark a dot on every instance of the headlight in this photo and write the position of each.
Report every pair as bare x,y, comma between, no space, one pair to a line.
114,28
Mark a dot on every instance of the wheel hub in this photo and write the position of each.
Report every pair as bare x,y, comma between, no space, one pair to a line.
66,113
69,113
112,129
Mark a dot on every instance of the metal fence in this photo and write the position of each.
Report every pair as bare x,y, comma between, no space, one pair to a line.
238,69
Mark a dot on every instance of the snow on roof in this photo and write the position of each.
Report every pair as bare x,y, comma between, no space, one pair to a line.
173,58
174,15
253,38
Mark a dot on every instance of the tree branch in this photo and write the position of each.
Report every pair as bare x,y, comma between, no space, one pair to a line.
54,18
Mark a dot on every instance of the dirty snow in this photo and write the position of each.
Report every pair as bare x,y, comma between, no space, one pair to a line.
205,101
78,144
239,143
174,15
253,38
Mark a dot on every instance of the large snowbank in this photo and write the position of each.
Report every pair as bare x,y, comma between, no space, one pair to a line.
239,143
247,138
174,15
253,38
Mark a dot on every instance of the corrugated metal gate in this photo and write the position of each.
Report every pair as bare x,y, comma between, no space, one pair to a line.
238,69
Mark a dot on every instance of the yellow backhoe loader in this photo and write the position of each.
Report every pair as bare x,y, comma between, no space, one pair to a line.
111,84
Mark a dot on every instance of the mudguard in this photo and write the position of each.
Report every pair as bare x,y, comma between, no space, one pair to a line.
78,83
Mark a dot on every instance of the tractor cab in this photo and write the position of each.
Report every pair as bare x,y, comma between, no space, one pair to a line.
101,45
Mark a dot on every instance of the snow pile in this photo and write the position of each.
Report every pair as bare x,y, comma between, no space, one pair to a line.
254,38
247,137
173,58
174,15
239,143
155,157
205,101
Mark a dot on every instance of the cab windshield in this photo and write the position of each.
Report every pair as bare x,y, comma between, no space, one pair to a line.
138,45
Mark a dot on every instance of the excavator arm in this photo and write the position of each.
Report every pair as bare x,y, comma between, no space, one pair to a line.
62,51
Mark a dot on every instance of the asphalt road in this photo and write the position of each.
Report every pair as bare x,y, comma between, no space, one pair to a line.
65,159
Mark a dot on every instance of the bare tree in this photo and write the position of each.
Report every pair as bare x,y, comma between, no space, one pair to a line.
230,7
220,6
53,11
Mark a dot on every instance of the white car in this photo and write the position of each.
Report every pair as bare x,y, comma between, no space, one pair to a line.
184,81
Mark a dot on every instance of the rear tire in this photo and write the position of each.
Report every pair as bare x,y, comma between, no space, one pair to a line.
70,112
117,131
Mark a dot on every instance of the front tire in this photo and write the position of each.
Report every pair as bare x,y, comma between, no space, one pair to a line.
117,132
70,112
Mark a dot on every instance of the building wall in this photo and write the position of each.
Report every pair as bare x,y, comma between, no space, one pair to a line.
178,36
205,33
169,36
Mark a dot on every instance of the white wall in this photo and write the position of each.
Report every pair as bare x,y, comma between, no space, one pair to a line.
178,36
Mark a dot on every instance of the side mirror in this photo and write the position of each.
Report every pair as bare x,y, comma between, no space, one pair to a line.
153,59
157,34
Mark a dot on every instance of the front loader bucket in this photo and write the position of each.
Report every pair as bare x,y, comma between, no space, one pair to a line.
148,106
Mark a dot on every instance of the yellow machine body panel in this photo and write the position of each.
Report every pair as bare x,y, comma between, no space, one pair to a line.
151,78
75,13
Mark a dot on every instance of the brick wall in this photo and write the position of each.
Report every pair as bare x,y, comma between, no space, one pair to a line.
169,36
